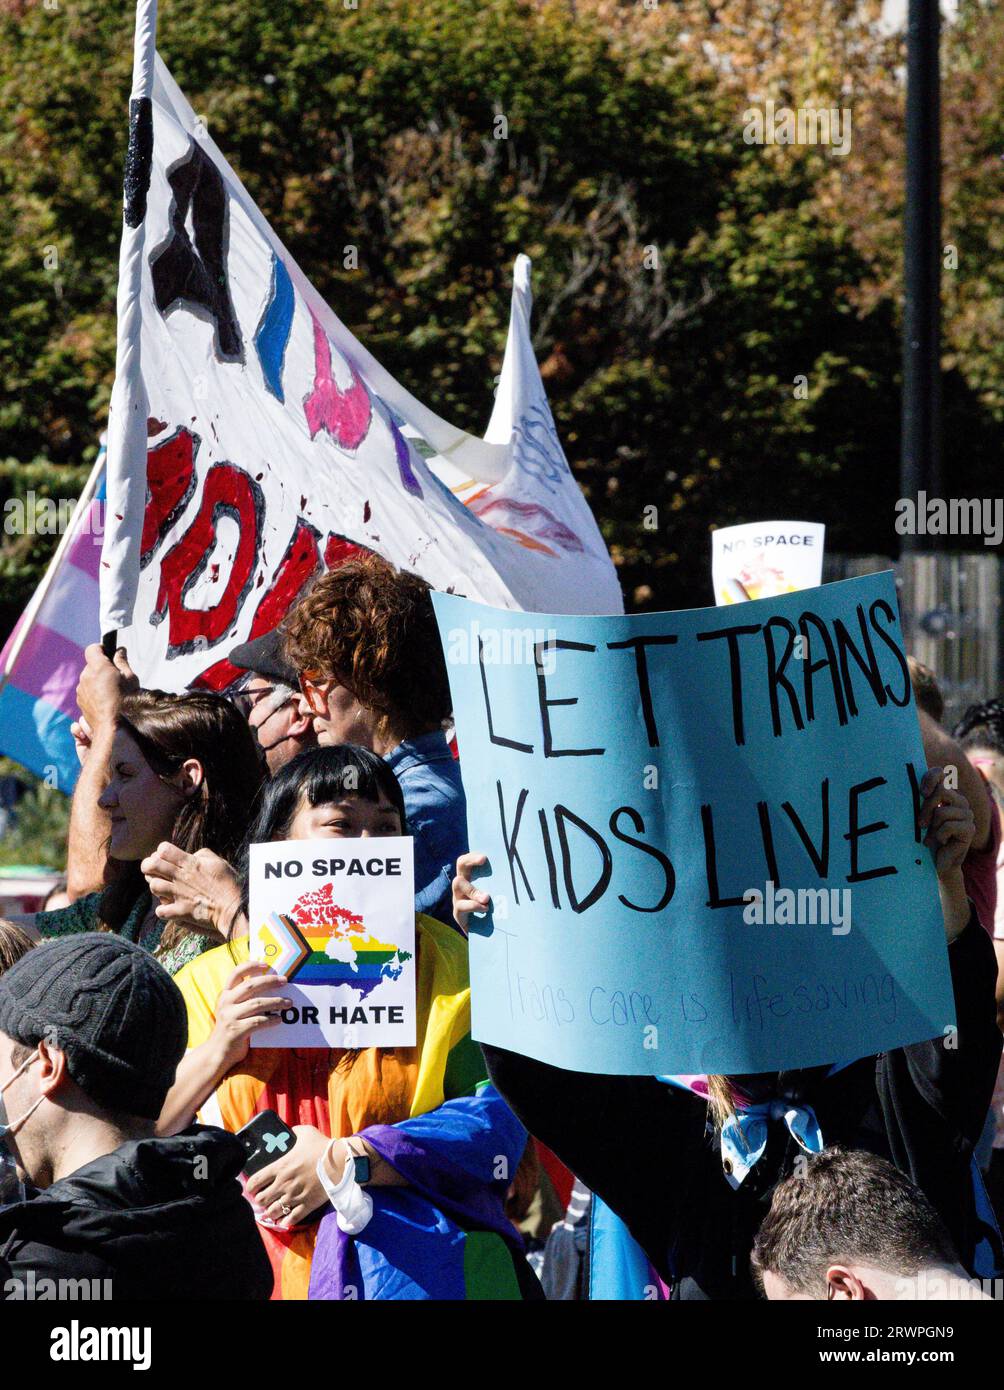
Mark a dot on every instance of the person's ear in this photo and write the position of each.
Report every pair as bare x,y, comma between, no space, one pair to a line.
301,725
843,1285
52,1068
189,777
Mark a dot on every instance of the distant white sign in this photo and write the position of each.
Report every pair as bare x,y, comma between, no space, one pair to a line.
764,559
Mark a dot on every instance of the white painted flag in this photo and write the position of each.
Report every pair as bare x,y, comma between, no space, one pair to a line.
273,441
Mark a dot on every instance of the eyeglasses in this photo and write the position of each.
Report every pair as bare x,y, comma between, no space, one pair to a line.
316,687
275,695
246,700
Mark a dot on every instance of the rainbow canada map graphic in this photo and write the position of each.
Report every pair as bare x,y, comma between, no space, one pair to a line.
319,943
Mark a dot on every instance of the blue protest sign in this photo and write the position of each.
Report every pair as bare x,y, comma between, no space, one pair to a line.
702,837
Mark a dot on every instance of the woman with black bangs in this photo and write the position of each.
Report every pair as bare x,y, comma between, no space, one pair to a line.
441,1150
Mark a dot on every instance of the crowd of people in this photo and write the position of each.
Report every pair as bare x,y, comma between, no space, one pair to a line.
444,1170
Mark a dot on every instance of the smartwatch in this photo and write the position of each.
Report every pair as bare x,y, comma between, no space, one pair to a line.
361,1163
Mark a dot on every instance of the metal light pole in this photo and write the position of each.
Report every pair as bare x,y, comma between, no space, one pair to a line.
920,454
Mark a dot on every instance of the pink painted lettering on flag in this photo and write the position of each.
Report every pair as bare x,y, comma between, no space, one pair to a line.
344,414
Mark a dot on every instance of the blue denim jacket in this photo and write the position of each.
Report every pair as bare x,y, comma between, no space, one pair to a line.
436,808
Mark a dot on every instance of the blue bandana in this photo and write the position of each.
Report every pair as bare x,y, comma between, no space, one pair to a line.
744,1135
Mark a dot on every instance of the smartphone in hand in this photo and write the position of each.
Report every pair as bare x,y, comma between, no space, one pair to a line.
266,1139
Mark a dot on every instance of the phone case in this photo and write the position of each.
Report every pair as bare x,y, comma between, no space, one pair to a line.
266,1139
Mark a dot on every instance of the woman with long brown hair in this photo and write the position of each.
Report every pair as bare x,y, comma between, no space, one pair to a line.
183,769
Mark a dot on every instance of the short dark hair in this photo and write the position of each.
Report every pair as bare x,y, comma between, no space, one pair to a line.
982,726
313,778
850,1206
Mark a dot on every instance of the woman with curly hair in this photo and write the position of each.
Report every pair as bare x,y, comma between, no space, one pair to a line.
365,642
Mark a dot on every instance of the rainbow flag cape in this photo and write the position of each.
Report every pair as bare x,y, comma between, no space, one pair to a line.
445,1236
428,1109
44,655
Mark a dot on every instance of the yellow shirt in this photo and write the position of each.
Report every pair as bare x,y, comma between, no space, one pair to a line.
373,1085
339,1092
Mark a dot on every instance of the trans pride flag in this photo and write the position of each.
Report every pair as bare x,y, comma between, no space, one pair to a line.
44,655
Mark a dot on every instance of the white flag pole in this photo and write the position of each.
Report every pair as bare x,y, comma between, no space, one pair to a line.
127,437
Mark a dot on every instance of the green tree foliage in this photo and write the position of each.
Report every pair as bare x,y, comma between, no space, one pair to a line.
37,501
40,821
683,278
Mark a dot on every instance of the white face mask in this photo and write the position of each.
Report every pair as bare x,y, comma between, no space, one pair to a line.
11,1127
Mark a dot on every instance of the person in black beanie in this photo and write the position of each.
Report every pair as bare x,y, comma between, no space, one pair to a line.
91,1033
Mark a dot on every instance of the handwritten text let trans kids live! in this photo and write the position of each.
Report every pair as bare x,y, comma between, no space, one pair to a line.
802,663
669,773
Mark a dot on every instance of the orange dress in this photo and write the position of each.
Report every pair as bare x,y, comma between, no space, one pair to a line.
337,1092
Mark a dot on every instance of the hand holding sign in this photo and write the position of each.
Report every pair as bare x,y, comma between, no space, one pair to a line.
466,897
947,817
251,999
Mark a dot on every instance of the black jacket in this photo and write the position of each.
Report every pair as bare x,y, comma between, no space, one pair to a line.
648,1149
157,1218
